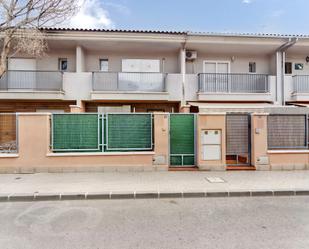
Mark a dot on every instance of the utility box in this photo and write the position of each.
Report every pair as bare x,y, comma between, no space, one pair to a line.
211,145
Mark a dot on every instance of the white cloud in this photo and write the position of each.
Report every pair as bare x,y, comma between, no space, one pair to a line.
92,14
247,1
118,7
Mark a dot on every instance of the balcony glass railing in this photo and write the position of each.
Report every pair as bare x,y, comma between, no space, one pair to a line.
32,80
116,81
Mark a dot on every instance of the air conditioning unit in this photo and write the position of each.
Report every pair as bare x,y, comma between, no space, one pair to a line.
191,55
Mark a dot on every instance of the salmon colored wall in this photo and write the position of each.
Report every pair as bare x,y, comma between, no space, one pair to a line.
258,139
212,122
289,158
34,141
161,138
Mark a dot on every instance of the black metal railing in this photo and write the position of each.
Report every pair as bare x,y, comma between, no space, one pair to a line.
32,80
233,83
118,81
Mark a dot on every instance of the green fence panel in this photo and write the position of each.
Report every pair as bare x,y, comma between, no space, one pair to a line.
182,140
76,132
129,132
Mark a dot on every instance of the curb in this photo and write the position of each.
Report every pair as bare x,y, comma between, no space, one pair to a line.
26,197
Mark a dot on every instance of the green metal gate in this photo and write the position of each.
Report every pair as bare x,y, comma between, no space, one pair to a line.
182,140
101,132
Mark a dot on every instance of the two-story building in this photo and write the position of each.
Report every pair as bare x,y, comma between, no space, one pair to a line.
147,71
223,77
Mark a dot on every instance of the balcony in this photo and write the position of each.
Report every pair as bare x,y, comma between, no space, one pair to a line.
298,87
235,87
129,86
31,85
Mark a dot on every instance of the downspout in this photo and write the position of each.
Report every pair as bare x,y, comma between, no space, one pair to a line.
282,50
184,44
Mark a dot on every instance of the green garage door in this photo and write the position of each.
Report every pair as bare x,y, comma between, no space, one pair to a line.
182,140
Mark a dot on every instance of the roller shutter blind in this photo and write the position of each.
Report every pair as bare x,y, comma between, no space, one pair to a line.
287,131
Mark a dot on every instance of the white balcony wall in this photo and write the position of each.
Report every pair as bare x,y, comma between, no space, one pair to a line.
174,86
191,87
238,63
50,62
77,86
169,61
288,88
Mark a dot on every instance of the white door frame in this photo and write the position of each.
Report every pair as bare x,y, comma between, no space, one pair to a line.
216,62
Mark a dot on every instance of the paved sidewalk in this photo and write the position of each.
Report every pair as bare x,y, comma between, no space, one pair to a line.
47,186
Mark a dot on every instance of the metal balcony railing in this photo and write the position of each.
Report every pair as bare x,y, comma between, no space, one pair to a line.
117,81
301,83
233,83
32,80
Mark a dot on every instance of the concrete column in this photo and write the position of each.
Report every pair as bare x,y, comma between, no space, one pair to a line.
185,109
80,59
259,146
78,108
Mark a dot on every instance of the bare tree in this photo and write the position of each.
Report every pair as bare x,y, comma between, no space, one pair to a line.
21,23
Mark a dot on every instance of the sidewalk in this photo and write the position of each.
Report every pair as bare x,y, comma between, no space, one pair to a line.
44,186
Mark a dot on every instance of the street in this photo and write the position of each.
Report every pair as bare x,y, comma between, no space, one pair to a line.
264,222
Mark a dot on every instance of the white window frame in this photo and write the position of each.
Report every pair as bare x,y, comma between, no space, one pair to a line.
106,60
216,62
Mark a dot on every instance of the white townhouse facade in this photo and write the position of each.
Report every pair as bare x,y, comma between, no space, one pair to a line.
157,71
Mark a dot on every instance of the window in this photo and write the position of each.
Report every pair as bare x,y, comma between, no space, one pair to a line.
252,67
299,66
287,131
288,68
104,65
63,64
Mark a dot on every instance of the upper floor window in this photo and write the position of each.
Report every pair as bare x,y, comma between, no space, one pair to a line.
288,68
252,67
63,64
103,65
299,66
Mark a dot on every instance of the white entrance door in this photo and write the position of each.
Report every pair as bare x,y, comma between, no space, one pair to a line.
21,74
216,76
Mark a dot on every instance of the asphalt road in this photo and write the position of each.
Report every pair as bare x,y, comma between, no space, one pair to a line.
280,222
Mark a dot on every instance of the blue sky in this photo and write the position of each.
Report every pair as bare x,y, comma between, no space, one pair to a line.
271,16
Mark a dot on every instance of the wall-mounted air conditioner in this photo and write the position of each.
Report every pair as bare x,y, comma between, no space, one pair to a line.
191,55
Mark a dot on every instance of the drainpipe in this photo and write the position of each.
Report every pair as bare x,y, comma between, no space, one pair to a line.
183,69
282,50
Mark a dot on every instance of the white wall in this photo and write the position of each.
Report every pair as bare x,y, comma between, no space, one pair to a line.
93,57
51,59
174,87
191,87
288,88
77,86
298,59
239,65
